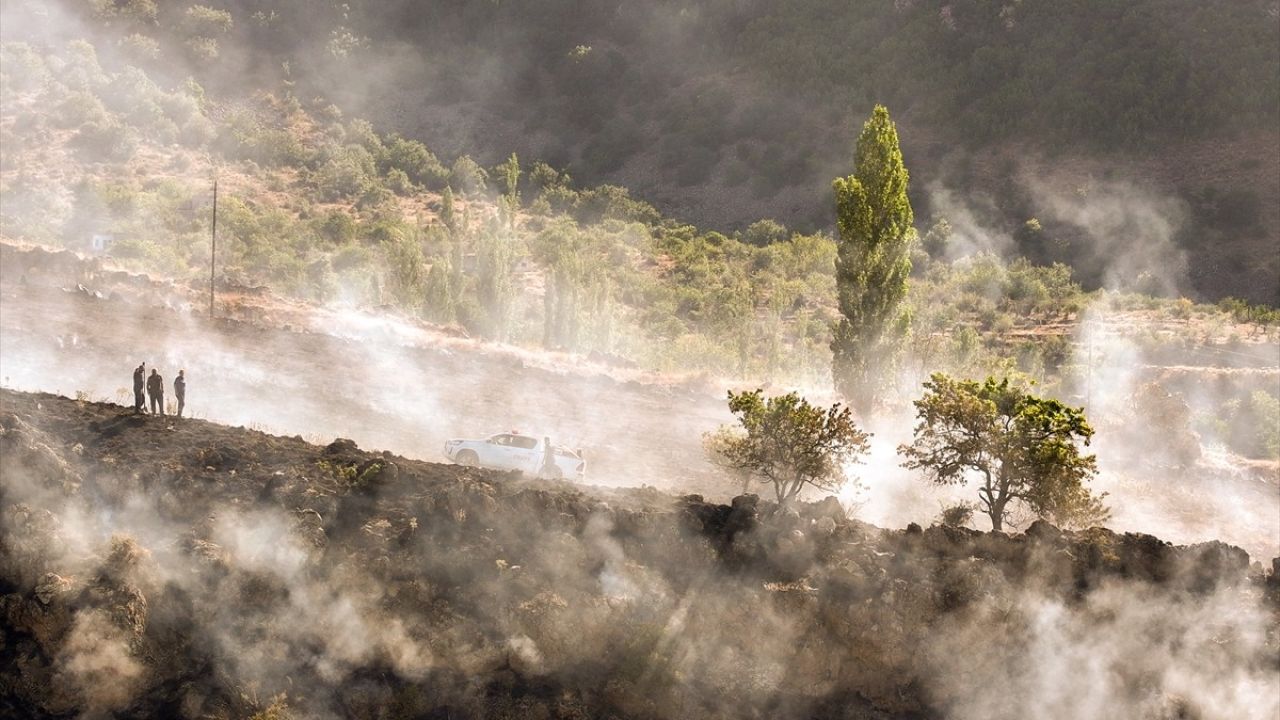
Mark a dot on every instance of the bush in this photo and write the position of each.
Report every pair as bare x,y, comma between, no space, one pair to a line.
414,160
467,176
202,49
78,108
105,141
345,174
398,182
200,20
141,47
766,232
957,515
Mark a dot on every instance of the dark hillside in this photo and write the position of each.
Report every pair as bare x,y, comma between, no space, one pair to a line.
726,111
156,567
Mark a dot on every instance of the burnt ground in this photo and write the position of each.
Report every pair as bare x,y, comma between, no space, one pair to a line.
180,568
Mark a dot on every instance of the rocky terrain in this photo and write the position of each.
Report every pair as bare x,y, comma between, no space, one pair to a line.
177,568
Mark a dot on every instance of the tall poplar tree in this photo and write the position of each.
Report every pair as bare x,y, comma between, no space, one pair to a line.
873,261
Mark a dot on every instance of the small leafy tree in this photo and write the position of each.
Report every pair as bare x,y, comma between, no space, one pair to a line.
786,442
1023,448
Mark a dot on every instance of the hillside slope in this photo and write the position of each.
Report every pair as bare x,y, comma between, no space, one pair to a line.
1160,120
151,566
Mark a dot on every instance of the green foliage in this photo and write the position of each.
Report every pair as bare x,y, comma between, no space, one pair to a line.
467,176
109,141
406,271
141,47
448,215
438,303
610,202
1248,425
1023,447
399,183
347,172
937,240
414,160
875,221
763,233
788,443
1247,313
203,49
495,290
204,21
508,174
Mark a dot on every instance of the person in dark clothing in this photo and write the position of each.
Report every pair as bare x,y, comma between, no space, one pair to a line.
139,381
549,468
180,390
155,388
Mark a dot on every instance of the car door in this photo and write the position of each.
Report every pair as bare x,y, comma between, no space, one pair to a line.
496,453
526,454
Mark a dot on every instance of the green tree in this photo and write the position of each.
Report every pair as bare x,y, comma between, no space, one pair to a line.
1022,448
495,289
872,263
407,272
508,173
763,233
560,249
438,303
786,442
448,215
468,176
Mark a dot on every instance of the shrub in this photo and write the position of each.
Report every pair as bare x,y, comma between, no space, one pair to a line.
141,47
202,49
201,20
766,232
957,515
467,176
78,108
105,141
415,161
398,182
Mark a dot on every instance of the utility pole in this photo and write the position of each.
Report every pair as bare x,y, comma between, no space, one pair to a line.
1088,386
213,245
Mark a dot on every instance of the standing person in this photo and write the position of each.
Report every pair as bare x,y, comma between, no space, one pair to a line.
139,381
180,390
155,388
549,469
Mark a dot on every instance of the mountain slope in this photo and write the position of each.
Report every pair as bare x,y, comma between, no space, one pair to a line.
157,566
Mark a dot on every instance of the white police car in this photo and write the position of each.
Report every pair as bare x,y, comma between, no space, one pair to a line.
513,451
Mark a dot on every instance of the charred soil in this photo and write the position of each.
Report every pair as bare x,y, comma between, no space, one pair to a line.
152,566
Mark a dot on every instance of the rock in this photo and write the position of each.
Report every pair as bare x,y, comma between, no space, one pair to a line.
828,507
1043,531
341,446
50,587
